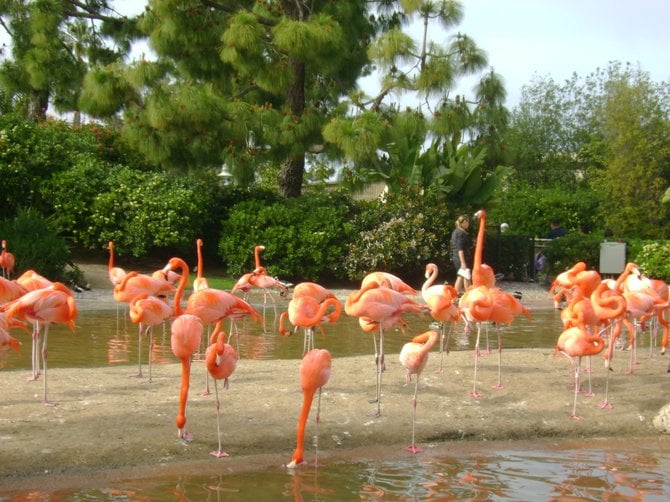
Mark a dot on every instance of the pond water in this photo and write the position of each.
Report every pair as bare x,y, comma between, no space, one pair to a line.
101,340
593,470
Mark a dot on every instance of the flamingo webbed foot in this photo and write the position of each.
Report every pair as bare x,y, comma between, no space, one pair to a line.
605,405
575,417
185,436
413,449
475,393
498,386
218,453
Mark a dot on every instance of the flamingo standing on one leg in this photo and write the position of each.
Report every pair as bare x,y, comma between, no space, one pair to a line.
314,374
440,299
576,342
384,307
414,356
185,337
221,360
45,306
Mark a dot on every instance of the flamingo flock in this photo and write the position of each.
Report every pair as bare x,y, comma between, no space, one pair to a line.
597,311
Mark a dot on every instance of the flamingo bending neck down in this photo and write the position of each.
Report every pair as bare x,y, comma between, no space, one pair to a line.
314,374
186,332
414,356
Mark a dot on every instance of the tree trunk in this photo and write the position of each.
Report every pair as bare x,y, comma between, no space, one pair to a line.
292,171
290,176
37,106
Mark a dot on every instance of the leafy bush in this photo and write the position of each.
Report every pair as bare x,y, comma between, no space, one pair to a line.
652,257
305,238
141,211
530,210
563,252
399,234
36,245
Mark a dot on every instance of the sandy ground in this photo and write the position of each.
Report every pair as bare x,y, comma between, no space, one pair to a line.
108,424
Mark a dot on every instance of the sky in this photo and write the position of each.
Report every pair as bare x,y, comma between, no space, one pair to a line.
556,38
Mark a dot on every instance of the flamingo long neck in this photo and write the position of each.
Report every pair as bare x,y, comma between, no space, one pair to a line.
308,397
110,266
257,257
199,250
479,245
624,275
431,276
183,391
183,280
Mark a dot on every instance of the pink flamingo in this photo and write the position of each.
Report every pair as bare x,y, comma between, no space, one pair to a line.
314,374
307,312
7,261
440,299
221,361
386,307
45,306
482,274
186,332
147,311
414,356
576,342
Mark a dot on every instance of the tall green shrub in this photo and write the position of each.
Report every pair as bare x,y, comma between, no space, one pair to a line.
36,245
305,238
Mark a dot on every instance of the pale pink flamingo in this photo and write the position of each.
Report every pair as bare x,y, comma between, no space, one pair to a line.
221,360
46,306
381,305
30,280
314,374
414,356
576,342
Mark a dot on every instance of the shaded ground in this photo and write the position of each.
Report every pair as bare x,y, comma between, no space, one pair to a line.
108,422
